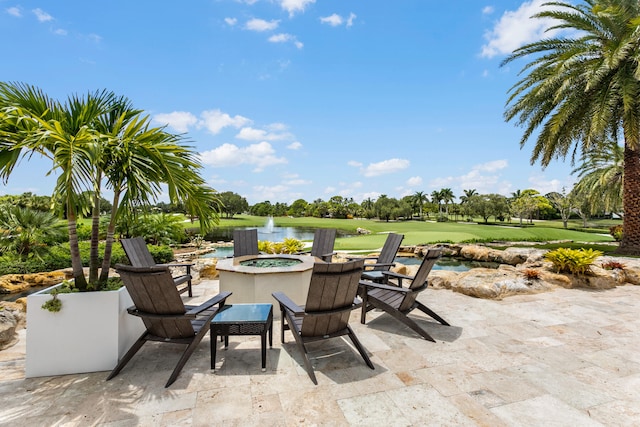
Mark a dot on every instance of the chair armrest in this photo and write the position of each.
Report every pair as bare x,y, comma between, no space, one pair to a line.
218,299
367,284
186,264
286,302
381,264
359,257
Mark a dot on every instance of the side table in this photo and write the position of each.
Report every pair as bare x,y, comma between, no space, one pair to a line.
242,319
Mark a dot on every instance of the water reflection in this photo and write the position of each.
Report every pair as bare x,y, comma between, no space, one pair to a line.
450,264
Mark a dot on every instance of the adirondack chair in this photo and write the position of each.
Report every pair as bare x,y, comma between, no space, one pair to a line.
375,272
139,256
323,242
331,298
399,300
157,302
245,242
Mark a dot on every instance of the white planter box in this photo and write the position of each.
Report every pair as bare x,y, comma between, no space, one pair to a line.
89,334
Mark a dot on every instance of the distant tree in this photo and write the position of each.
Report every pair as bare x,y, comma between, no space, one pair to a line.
262,209
600,177
385,206
232,203
436,197
564,203
447,197
298,208
420,198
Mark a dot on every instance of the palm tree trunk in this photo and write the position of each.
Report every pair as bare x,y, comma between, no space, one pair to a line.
106,261
95,239
630,243
76,260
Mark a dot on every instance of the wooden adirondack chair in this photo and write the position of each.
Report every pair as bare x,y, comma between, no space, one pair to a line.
245,242
139,256
323,241
331,298
399,300
383,262
158,303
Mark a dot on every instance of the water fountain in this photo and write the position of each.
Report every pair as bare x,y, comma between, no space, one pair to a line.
268,227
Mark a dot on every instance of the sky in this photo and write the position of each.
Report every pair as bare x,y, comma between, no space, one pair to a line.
289,99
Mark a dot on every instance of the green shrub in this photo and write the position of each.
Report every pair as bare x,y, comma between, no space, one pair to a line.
442,218
574,261
288,246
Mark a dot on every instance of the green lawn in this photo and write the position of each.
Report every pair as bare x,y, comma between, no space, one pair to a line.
417,232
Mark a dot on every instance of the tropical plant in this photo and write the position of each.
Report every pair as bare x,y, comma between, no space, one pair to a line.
419,199
581,88
28,232
574,261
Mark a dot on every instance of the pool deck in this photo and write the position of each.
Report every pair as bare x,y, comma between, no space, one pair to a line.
566,358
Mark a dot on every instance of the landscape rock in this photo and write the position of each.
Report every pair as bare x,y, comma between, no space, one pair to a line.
8,326
15,283
496,284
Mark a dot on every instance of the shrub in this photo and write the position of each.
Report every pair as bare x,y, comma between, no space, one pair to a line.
288,246
574,261
616,232
613,265
442,218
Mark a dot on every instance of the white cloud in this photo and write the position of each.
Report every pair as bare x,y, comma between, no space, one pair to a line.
333,20
298,181
60,32
515,29
181,121
252,134
492,166
231,21
414,181
487,10
385,167
256,24
249,2
284,38
350,19
95,38
14,11
42,16
215,120
545,186
354,163
259,155
293,6
296,145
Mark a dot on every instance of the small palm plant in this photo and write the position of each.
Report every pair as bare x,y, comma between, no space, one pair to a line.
574,261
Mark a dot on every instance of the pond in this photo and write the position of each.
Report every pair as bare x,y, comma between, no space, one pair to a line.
450,264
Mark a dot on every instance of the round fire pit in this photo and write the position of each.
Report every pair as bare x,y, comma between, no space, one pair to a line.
253,278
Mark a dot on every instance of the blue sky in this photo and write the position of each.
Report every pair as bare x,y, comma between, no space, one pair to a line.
288,99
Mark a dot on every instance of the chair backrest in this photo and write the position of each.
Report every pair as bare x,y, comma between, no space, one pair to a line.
389,251
429,260
245,242
333,286
137,252
323,241
153,291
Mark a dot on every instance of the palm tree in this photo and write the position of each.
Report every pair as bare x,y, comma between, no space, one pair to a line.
447,197
467,195
419,198
26,231
582,88
600,177
436,197
98,137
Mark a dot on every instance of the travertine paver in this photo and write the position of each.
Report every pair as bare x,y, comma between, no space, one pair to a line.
568,357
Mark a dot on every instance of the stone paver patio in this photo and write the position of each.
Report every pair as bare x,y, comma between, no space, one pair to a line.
564,358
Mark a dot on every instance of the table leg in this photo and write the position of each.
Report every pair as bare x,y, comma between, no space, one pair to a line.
263,347
271,334
214,344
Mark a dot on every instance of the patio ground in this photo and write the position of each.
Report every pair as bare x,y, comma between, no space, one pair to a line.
565,358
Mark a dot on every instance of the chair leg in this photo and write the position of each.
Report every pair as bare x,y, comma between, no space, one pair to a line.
426,310
303,350
127,357
365,302
359,347
404,319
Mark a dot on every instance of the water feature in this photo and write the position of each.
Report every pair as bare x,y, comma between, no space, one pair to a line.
450,264
268,227
270,262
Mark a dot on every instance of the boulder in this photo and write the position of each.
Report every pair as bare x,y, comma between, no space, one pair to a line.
8,326
496,283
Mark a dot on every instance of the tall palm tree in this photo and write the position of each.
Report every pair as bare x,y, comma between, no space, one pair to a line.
419,198
582,88
467,195
436,197
447,197
600,177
